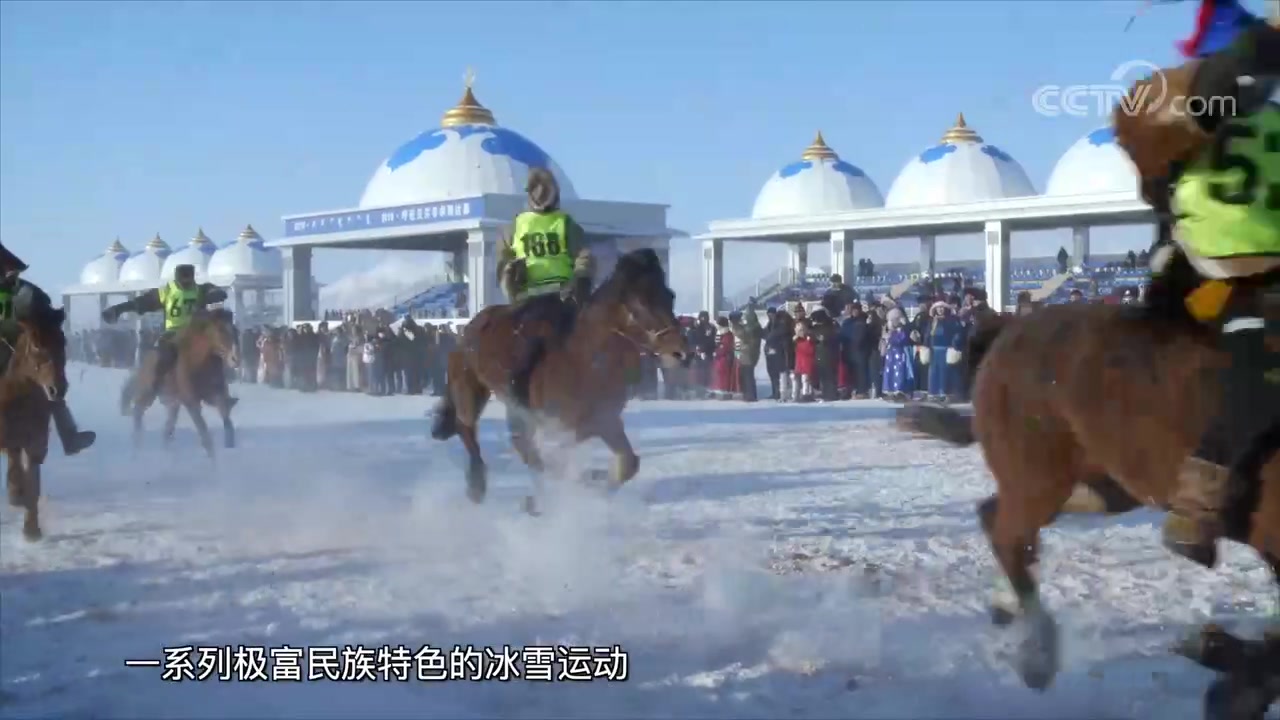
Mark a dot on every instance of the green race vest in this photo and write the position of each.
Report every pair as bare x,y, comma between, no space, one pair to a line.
178,304
540,241
1228,200
6,305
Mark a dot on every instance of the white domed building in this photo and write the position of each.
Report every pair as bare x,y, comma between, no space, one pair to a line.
1094,164
142,270
960,185
196,253
454,189
961,168
819,182
104,270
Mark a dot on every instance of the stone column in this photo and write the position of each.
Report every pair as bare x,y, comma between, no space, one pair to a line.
842,255
1079,245
797,261
458,264
297,284
483,288
928,254
996,235
712,275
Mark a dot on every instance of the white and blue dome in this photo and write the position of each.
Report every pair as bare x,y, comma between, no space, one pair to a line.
962,168
143,267
1094,164
196,253
467,156
105,269
819,182
244,257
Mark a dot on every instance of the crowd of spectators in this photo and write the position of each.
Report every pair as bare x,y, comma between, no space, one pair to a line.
841,347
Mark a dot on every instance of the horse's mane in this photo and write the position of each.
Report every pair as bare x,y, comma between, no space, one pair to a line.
631,268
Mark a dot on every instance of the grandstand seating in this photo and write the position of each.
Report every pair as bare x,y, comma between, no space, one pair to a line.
437,300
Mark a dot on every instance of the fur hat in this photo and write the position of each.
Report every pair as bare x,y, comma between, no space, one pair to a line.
543,190
940,305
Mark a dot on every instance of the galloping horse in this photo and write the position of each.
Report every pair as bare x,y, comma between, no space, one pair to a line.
206,347
32,381
580,383
1089,408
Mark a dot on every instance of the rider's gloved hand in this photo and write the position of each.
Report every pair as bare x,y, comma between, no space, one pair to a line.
109,316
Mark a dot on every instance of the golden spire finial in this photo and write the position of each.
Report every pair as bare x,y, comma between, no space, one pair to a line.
116,247
960,133
200,238
157,243
248,234
818,150
468,111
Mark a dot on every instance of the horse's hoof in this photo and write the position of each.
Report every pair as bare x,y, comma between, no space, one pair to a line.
530,506
475,494
1038,652
1001,617
32,533
1228,698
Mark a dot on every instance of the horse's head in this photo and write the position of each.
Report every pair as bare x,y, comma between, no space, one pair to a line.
40,354
1153,127
216,330
644,305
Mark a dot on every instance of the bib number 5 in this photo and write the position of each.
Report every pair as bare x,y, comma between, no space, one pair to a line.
1252,182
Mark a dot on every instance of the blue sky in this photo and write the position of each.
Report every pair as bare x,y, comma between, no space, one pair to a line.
128,119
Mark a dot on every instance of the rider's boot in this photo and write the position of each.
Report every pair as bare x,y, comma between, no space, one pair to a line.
73,439
1195,521
1250,399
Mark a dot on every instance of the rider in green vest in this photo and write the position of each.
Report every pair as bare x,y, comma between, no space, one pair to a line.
1223,210
22,300
179,300
546,270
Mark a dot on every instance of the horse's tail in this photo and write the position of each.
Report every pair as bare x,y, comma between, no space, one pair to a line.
943,423
444,422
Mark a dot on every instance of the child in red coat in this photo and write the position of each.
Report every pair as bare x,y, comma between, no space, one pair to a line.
806,362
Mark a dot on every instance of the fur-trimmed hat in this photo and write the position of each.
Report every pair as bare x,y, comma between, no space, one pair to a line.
543,190
940,305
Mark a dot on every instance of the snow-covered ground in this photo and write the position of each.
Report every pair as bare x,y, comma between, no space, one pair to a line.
768,561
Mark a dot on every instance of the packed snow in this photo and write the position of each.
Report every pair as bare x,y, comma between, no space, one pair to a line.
768,561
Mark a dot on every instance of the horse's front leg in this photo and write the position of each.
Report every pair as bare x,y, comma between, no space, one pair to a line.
625,461
170,421
30,496
13,477
223,404
197,419
521,431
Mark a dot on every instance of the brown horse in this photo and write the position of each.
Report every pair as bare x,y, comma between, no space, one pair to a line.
580,383
30,384
1088,394
206,347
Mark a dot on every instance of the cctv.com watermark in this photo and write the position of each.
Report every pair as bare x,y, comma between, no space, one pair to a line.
1100,100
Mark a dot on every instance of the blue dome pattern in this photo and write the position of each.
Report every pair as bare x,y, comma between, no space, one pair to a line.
961,168
820,182
1094,164
468,155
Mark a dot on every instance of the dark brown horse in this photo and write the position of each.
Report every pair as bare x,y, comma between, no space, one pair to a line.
31,383
580,384
206,347
1087,395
